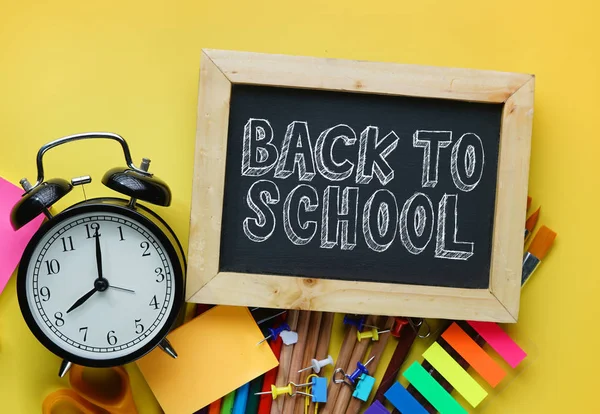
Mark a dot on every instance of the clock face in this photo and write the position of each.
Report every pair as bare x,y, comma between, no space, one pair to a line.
100,285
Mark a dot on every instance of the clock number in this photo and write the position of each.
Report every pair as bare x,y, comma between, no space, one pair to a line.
111,338
53,266
139,328
121,233
145,245
160,276
85,329
59,319
93,230
154,303
67,244
45,292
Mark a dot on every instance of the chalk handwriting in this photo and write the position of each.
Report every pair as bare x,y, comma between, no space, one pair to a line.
301,153
431,153
332,211
258,137
466,175
260,195
450,249
339,216
367,164
326,163
303,197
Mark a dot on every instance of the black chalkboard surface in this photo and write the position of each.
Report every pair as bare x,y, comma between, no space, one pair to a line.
360,187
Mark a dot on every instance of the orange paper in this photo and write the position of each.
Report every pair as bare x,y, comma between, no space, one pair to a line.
218,353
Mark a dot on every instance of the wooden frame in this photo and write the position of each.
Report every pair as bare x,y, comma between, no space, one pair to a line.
205,284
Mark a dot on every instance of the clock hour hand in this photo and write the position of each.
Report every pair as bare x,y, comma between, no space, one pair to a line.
83,299
98,256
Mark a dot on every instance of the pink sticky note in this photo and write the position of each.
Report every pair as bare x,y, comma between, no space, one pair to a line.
12,243
500,342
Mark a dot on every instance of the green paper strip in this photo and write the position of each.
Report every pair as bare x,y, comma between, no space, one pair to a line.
227,405
455,374
432,391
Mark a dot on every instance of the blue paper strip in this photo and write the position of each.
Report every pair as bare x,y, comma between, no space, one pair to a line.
403,401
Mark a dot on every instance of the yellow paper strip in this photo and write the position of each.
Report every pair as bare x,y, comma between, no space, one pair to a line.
455,374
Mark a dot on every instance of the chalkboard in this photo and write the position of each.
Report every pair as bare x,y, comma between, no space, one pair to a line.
361,187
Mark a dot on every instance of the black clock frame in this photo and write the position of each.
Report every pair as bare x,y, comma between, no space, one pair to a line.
156,225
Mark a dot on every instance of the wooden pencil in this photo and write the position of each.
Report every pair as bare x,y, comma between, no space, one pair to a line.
285,358
297,357
309,353
322,351
407,338
358,355
342,362
377,350
265,401
324,335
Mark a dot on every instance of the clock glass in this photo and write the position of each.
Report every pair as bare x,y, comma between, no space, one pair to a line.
100,285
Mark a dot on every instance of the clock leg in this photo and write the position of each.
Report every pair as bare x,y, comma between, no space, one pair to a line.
64,367
166,346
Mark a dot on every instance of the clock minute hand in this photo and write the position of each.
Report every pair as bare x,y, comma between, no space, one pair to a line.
83,299
98,256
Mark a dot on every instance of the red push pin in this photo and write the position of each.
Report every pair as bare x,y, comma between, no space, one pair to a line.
397,326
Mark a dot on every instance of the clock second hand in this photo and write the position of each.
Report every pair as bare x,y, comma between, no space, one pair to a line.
120,288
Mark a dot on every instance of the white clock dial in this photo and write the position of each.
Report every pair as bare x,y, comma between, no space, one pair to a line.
87,318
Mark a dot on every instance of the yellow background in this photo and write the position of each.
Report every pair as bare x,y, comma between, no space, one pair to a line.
132,68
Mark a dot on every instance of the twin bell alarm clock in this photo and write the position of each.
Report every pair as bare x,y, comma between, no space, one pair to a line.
101,283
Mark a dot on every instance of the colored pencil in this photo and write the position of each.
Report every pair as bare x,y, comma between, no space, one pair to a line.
227,404
377,350
309,353
358,355
536,252
265,401
407,338
297,357
342,362
531,222
255,386
241,399
215,407
528,202
285,359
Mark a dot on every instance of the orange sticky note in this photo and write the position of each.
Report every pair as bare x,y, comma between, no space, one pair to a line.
474,354
218,353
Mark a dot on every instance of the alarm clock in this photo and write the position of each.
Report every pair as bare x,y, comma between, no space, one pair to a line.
101,283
